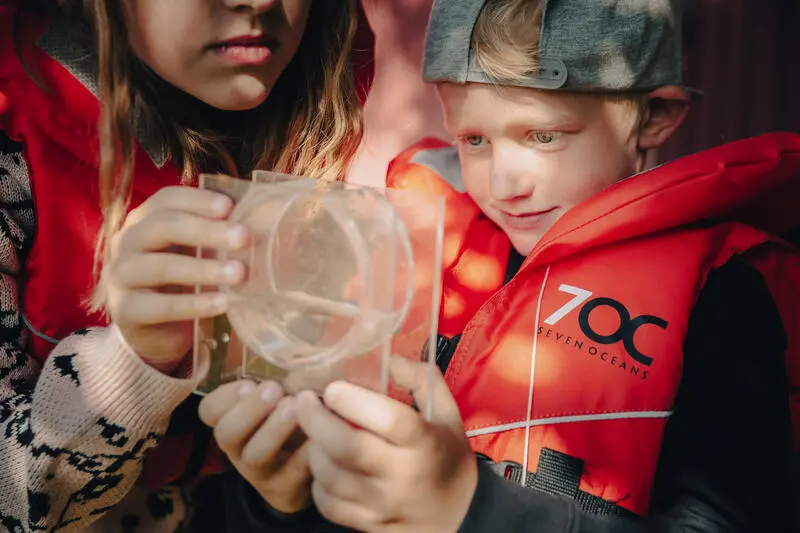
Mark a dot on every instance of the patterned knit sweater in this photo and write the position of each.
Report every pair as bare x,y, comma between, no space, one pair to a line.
75,433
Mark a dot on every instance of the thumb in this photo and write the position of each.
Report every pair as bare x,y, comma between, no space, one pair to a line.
427,388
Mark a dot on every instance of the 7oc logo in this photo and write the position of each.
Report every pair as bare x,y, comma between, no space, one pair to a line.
628,326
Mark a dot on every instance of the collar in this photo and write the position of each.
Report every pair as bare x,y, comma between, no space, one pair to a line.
60,43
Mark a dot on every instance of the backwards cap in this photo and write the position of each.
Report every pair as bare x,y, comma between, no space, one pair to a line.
584,45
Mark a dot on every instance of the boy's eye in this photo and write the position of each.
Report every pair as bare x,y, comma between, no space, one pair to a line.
473,140
544,137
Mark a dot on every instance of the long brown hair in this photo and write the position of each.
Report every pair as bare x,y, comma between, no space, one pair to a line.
309,125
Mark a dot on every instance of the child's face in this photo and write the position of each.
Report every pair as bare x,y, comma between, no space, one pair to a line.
227,53
528,156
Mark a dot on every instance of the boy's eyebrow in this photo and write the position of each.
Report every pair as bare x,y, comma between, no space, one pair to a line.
525,122
546,123
546,117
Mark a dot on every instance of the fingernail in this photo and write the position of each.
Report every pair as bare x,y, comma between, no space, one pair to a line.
287,408
231,270
246,388
237,236
305,400
332,392
219,301
221,205
270,392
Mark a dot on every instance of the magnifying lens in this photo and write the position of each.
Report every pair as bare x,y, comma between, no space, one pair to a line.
329,274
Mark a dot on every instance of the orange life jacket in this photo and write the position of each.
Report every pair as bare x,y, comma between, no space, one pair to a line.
585,343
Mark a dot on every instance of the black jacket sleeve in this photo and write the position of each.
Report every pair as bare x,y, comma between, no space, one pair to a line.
725,459
247,512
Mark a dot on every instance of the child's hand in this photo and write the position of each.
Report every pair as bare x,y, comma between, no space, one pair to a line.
256,428
150,277
397,474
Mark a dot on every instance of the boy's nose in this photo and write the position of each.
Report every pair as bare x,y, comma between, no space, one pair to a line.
510,184
512,176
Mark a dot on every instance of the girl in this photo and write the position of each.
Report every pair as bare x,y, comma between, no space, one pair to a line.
89,379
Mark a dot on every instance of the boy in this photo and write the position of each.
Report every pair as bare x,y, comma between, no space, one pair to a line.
613,347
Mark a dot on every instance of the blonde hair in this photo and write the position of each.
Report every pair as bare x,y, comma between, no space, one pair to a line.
310,124
506,45
506,38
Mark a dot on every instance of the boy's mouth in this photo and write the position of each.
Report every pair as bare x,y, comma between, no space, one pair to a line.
525,221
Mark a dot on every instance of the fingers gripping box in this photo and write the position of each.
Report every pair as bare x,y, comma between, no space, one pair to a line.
339,280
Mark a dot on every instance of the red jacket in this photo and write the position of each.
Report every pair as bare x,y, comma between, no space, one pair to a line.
58,128
590,332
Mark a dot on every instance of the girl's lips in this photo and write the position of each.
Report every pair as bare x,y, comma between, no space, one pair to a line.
245,55
246,49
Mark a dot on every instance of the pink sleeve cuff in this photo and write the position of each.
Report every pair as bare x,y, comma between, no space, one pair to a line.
118,385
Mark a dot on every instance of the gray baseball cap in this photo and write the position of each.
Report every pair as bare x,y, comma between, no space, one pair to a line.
585,45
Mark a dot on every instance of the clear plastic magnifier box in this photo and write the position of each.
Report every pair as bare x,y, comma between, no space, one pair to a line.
339,280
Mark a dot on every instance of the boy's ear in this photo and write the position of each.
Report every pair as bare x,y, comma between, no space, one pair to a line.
665,112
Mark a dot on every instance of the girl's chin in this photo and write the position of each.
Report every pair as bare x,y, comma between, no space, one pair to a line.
241,96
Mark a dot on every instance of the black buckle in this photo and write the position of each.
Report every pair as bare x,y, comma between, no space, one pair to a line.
507,469
557,474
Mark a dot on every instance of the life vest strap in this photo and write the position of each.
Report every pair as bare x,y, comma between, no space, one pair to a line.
445,349
558,474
